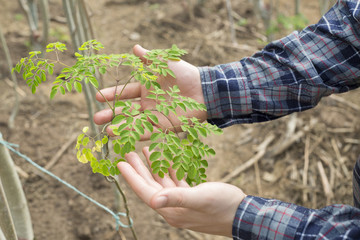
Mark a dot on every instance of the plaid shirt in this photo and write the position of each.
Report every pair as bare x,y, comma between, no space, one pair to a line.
290,75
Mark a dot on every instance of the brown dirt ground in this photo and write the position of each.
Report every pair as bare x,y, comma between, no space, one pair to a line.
44,126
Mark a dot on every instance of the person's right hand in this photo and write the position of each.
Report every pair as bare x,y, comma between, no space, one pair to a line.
187,79
208,207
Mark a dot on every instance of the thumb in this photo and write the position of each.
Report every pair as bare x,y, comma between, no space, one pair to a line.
140,51
175,197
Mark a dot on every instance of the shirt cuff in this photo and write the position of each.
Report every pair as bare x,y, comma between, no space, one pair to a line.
226,92
260,218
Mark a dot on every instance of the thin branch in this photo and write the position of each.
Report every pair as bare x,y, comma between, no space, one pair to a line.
112,179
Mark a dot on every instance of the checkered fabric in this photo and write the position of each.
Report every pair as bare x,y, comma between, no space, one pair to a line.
290,75
260,218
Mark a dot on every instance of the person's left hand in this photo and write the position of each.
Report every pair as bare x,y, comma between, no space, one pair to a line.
209,207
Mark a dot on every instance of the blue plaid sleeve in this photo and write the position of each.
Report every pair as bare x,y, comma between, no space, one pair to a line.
260,218
289,75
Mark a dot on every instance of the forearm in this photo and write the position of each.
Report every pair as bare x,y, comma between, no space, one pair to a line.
259,218
288,75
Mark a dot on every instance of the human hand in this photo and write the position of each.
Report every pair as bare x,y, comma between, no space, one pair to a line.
187,79
209,207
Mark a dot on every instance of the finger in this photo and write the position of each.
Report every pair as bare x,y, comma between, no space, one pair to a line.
140,186
140,52
135,161
176,197
133,90
166,181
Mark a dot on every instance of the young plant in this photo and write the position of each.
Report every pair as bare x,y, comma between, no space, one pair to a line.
186,156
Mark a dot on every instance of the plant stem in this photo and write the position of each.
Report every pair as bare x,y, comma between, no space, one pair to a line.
113,179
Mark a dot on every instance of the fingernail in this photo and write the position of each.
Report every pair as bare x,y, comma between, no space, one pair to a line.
160,202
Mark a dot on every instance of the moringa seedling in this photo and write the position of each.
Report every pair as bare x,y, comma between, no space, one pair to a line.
185,155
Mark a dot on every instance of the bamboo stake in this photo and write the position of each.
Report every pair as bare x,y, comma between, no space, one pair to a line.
7,228
2,237
14,80
15,195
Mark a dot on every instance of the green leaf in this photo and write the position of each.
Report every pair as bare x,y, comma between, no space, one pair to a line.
43,76
155,156
153,118
180,173
139,129
68,86
117,148
176,165
151,96
156,164
165,164
33,89
167,155
202,131
153,146
192,172
118,119
125,149
53,93
94,81
193,132
102,70
188,153
62,90
85,141
204,163
78,87
148,126
105,140
50,69
211,151
155,136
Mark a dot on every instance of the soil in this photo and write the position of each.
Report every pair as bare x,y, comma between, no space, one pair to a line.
42,126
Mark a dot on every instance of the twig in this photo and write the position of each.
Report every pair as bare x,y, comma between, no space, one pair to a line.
324,180
61,151
258,179
306,167
261,150
21,172
339,157
18,89
125,204
344,101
